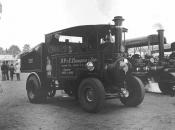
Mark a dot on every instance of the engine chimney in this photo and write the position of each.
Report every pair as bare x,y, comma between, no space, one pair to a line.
119,45
161,43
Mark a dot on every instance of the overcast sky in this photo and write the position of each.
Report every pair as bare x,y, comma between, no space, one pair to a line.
27,21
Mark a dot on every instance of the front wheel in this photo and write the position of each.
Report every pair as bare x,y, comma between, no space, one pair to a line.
136,91
91,94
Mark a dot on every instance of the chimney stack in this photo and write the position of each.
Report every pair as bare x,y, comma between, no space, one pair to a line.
161,43
119,45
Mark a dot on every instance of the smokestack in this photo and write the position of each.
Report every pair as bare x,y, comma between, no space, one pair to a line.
119,45
161,43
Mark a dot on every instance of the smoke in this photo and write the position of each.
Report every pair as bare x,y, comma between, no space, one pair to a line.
158,26
0,9
105,6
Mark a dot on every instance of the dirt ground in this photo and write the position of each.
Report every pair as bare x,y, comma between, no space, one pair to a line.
157,112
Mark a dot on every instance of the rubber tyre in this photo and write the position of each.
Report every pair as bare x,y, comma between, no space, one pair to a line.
97,88
35,93
136,92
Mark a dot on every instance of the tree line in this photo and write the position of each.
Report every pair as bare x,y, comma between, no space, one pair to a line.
14,50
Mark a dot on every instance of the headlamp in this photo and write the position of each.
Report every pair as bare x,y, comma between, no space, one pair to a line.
90,66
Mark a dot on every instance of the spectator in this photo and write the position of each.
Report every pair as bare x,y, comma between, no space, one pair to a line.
3,71
12,69
6,70
17,71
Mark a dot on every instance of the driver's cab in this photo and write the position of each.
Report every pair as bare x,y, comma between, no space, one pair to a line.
75,40
82,39
58,43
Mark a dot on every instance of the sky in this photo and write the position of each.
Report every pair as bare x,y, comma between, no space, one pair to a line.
27,21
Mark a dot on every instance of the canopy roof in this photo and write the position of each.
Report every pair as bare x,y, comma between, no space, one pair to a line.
88,31
84,30
143,41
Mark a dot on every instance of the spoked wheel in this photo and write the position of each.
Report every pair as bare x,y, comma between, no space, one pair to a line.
35,92
91,94
167,88
136,92
166,83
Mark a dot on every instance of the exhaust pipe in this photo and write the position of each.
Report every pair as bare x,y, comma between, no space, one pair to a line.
161,43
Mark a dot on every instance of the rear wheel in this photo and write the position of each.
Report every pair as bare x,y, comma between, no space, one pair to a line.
91,94
35,92
166,83
136,91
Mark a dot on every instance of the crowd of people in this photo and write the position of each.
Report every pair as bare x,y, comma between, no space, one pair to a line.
12,69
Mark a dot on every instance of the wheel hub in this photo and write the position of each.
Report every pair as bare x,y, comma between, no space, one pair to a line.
31,94
31,91
90,95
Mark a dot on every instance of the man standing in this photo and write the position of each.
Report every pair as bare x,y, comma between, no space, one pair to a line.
6,70
12,69
17,70
3,71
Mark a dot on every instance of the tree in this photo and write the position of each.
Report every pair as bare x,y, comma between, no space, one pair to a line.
26,48
14,50
1,51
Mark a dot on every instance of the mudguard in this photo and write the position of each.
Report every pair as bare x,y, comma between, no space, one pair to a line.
33,73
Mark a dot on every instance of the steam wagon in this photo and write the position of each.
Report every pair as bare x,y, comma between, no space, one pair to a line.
88,62
160,69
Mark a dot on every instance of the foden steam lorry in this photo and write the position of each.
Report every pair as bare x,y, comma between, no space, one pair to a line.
87,62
